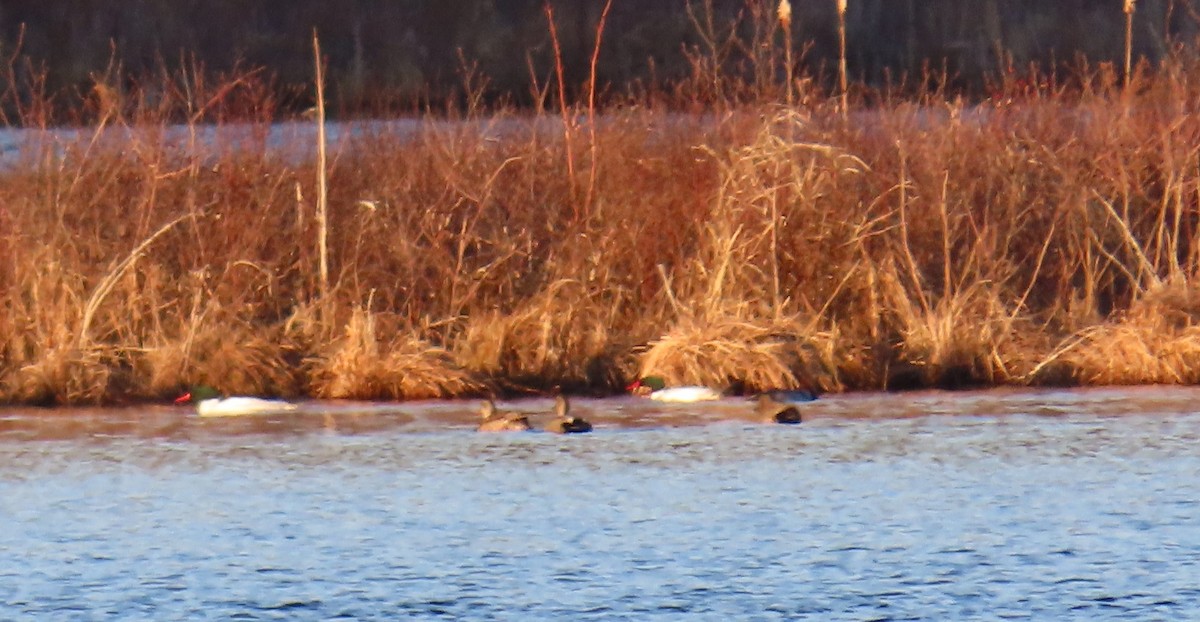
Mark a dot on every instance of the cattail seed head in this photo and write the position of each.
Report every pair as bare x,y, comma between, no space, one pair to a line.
1129,8
785,13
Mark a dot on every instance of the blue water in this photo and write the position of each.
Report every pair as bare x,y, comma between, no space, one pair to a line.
996,505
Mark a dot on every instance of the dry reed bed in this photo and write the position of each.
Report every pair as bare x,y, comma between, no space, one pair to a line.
1047,240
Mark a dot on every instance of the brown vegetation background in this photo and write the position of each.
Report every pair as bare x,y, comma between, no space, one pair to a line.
1047,234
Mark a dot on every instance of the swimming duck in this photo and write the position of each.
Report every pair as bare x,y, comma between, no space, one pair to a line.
656,389
772,410
500,421
793,395
564,423
210,403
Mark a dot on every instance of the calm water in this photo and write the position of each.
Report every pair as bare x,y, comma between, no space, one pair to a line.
993,505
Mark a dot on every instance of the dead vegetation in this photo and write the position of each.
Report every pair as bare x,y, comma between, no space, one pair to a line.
1046,237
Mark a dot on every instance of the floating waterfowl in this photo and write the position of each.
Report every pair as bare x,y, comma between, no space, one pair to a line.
564,422
210,403
794,395
500,421
772,410
656,389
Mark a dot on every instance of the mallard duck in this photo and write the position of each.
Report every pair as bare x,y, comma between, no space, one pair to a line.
500,421
771,410
656,389
564,422
211,403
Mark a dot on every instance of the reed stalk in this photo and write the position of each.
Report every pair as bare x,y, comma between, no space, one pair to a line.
785,19
1130,7
843,81
322,178
564,109
591,104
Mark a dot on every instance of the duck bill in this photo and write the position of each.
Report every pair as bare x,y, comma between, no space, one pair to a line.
185,398
634,386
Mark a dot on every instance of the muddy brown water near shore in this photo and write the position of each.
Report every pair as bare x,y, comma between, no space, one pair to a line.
1028,504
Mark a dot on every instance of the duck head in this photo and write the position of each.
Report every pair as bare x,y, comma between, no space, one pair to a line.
198,394
562,407
646,385
487,409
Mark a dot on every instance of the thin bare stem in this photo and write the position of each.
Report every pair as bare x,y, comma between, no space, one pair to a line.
592,104
842,79
1129,10
568,124
110,280
322,175
785,18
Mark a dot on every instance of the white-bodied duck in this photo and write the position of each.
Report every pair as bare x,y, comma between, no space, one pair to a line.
210,403
656,389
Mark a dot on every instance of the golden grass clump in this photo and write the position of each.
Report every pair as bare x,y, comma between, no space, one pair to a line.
558,338
228,353
771,217
756,354
359,365
969,337
59,375
44,359
1132,353
1157,341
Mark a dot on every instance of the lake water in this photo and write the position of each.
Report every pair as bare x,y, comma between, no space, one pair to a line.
1050,505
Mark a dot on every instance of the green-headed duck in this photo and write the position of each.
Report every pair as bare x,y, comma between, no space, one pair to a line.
210,403
656,389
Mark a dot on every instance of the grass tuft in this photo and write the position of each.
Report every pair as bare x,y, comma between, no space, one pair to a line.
753,354
1157,341
362,365
559,338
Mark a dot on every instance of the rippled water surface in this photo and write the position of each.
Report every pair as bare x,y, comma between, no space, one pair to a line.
992,505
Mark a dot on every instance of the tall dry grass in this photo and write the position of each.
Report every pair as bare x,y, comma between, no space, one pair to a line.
1045,236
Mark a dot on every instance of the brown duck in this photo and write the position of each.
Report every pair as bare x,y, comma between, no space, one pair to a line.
564,422
500,421
771,410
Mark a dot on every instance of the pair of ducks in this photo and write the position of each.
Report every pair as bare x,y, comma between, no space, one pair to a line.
774,407
562,423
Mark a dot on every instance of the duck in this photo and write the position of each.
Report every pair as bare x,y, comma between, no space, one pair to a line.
211,403
656,389
791,395
772,410
499,421
563,422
